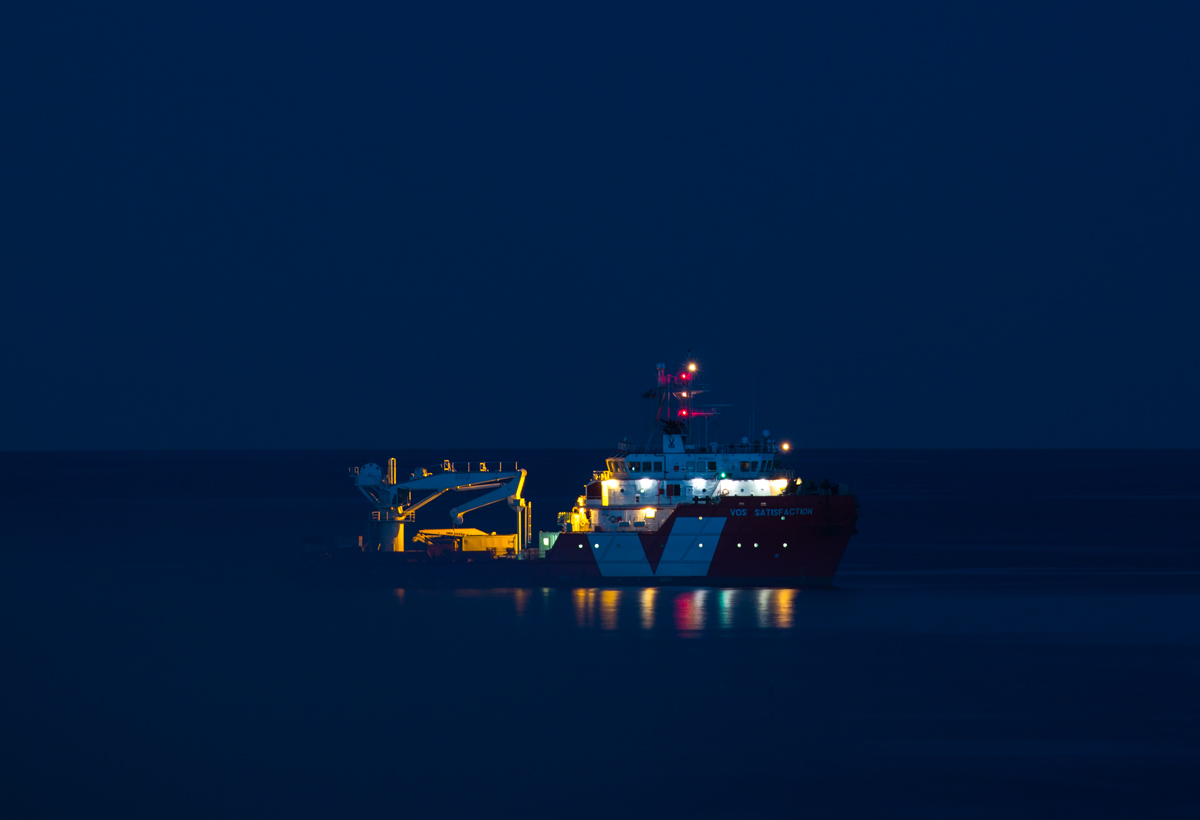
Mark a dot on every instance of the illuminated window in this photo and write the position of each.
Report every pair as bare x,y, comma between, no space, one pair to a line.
546,542
633,466
745,466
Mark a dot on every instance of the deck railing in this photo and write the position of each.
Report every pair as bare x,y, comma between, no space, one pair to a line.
476,467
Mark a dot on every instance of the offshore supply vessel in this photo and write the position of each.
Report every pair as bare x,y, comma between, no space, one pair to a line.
677,510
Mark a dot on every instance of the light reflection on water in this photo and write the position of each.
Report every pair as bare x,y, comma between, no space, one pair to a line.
610,600
728,602
690,610
646,601
685,611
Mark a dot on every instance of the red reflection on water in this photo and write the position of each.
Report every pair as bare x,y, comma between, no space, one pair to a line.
689,610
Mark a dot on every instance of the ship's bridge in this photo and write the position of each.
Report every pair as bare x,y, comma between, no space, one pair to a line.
639,490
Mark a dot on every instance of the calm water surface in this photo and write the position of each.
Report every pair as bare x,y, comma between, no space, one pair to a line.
1011,634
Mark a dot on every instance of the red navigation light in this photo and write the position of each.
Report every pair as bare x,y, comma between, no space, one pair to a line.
683,375
683,412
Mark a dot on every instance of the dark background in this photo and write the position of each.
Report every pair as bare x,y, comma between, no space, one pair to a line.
229,225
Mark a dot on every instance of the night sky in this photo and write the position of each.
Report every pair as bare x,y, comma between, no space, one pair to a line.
231,225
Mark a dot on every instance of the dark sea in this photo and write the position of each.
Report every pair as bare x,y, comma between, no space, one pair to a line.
1011,634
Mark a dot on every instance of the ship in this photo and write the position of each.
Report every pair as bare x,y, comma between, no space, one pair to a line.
680,509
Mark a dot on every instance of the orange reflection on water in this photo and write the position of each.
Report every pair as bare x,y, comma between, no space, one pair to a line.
783,607
689,610
585,601
399,593
646,600
520,600
610,601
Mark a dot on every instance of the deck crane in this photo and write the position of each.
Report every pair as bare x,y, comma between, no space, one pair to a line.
504,479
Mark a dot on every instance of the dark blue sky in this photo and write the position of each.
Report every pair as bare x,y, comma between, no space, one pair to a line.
277,226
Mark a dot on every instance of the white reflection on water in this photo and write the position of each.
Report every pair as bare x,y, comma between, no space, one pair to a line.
728,604
762,608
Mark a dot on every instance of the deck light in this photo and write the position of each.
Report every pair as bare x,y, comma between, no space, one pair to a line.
786,446
692,366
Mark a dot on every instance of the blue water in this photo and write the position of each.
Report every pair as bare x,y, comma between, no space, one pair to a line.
1011,634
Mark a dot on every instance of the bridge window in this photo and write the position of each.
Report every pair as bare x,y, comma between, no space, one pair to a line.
712,466
745,466
754,466
633,466
646,466
690,466
658,466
